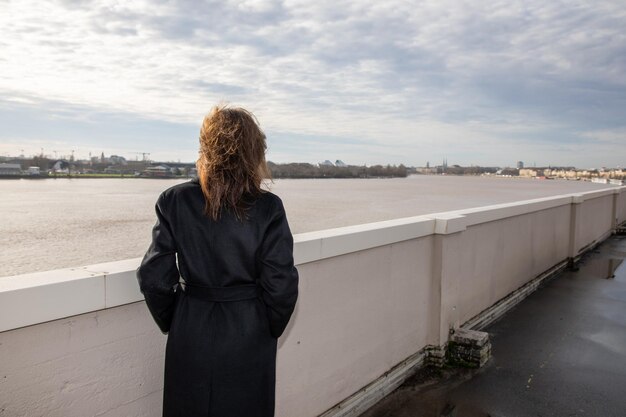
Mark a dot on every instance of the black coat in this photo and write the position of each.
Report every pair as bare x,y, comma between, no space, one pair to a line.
223,324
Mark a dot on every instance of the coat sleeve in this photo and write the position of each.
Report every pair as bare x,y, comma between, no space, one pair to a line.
278,275
158,274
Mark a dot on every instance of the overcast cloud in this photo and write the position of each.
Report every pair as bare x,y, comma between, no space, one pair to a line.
484,82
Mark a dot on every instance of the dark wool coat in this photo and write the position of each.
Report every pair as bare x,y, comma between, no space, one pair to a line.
241,288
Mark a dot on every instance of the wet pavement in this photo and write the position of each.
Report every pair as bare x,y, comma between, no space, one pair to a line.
560,352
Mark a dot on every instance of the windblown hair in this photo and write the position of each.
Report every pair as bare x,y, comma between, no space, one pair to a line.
231,165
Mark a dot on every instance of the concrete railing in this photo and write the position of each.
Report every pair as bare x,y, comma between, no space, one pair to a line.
373,298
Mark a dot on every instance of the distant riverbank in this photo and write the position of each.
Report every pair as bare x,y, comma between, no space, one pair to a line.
86,176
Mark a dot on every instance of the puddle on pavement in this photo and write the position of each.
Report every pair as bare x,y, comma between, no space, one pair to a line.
601,267
606,261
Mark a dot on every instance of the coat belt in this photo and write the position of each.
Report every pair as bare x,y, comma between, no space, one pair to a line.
223,294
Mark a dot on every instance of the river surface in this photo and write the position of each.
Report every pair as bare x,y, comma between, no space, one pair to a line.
57,223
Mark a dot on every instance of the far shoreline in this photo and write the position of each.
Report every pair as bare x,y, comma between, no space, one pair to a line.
180,178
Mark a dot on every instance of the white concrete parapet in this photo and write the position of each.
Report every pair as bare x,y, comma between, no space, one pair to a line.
372,297
43,296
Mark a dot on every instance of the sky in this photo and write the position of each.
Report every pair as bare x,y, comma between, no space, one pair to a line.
477,82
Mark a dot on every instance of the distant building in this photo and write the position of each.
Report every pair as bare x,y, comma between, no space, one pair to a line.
61,167
526,172
520,164
112,170
326,163
158,171
427,170
340,163
10,169
117,160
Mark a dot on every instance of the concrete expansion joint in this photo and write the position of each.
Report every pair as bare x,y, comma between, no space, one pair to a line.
572,263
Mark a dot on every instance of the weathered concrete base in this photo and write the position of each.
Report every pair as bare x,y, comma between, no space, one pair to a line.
572,263
493,313
468,348
361,401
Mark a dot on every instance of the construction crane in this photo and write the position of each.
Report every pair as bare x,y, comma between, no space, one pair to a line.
143,155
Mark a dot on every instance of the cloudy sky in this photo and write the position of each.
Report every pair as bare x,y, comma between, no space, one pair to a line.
478,82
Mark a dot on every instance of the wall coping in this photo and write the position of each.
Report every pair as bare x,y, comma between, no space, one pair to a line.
33,298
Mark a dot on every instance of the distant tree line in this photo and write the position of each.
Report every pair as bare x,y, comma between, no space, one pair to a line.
304,170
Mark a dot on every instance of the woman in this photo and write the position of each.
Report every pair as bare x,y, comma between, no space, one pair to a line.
230,243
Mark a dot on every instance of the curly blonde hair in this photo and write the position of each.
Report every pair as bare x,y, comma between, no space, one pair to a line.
231,163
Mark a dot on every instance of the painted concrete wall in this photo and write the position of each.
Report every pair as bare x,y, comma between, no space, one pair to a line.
358,315
371,296
106,363
488,261
621,207
595,220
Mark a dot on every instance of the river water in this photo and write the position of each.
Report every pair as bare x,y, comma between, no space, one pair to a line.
57,223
